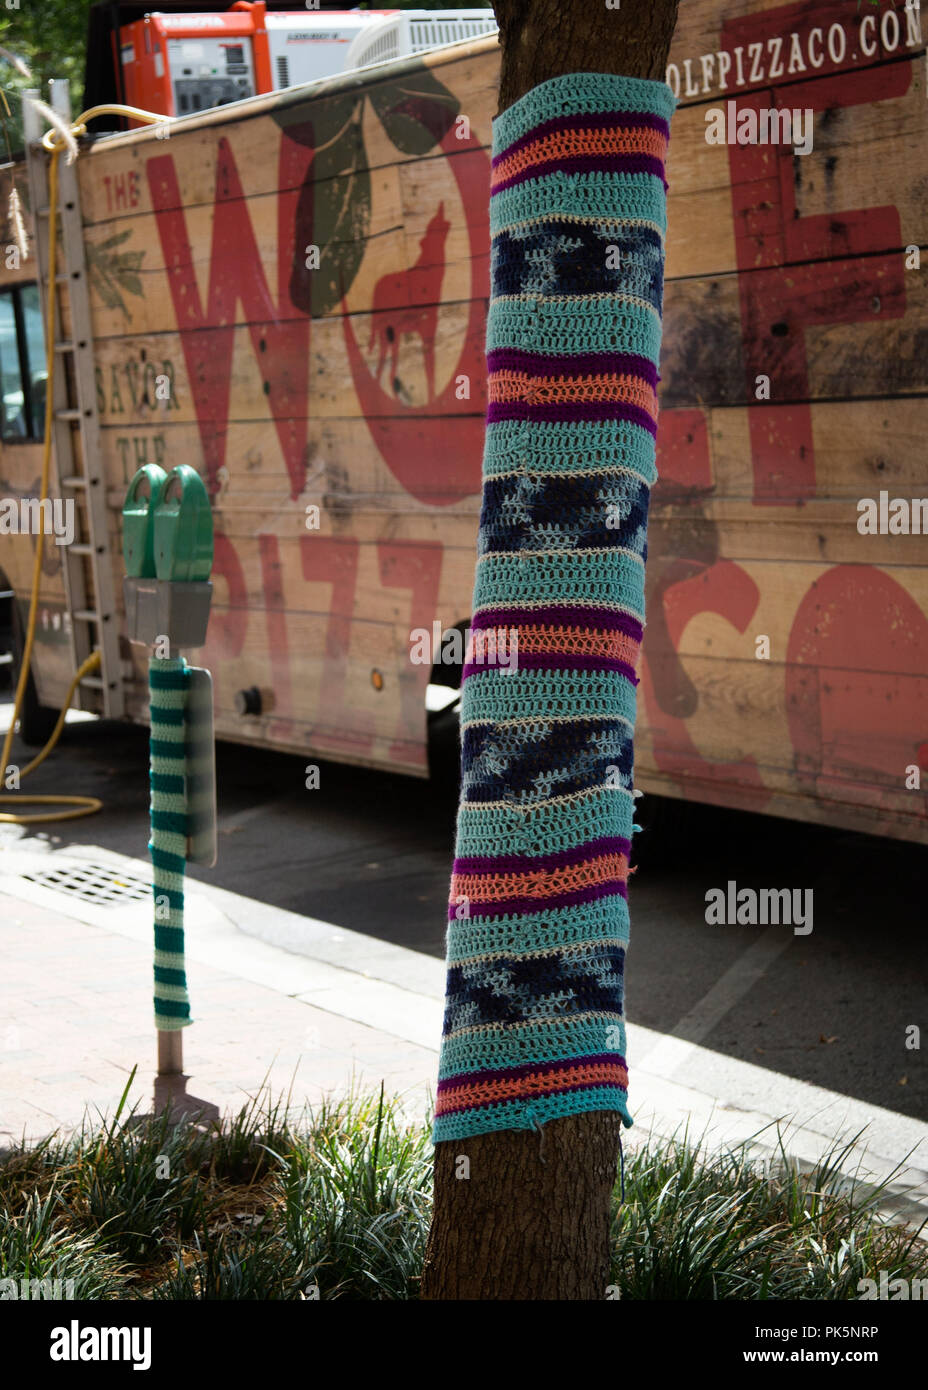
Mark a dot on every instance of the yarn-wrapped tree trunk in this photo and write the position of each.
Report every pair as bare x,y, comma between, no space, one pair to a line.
532,1076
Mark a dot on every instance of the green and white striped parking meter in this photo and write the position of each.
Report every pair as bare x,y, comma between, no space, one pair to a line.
168,550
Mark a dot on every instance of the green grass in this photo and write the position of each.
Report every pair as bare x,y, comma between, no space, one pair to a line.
725,1227
267,1206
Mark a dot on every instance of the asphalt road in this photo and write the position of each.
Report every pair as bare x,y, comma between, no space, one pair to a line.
372,852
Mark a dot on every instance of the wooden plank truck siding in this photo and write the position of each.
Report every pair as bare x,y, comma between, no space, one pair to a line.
353,382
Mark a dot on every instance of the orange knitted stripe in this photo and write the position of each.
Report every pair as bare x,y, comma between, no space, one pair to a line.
577,641
609,386
544,1083
567,144
539,883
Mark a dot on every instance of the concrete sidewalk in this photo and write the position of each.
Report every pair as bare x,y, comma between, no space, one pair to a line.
76,1014
306,1007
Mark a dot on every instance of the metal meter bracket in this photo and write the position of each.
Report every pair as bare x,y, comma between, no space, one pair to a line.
163,608
200,755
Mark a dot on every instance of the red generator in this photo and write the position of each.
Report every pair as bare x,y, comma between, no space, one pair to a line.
177,64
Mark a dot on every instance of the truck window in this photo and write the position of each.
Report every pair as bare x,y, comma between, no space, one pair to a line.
22,363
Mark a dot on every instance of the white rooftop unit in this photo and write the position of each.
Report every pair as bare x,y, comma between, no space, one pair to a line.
306,46
416,31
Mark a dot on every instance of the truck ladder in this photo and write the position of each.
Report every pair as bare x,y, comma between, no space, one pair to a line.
87,571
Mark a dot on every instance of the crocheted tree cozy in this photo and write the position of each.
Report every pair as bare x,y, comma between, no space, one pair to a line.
538,912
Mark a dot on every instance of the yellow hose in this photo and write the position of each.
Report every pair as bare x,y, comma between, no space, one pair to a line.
83,805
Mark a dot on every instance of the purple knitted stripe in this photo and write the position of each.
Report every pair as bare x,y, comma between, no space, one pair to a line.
521,907
583,364
557,615
589,164
530,1069
553,661
559,859
570,413
614,120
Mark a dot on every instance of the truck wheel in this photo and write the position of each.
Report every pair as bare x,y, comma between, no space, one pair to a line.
444,734
6,633
663,820
36,722
444,724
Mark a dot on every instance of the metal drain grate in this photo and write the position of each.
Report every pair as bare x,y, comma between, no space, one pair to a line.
94,883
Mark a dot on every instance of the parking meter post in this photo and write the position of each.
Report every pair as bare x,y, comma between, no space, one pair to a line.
170,1053
168,550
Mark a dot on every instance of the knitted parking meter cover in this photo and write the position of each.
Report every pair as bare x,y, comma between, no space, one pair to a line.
168,682
538,913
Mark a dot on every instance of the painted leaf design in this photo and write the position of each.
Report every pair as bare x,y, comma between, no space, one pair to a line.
114,273
334,207
416,111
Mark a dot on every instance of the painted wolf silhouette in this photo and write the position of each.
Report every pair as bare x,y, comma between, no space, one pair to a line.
407,302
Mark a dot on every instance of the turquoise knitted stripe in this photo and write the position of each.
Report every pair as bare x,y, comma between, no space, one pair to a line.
164,679
169,939
582,323
596,196
519,1114
170,863
557,825
169,975
162,747
608,228
172,1014
581,94
573,945
536,931
164,719
167,784
558,448
592,579
537,1042
601,694
168,680
170,889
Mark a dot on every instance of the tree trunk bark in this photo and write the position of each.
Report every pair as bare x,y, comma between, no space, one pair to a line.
547,38
531,1218
522,1214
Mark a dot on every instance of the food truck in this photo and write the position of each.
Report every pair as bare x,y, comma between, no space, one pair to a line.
288,291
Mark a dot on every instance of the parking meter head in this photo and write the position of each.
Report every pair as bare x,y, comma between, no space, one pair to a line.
138,517
183,527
